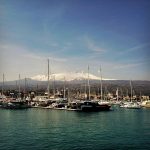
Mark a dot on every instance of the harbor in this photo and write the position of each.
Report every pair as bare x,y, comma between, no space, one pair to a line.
74,75
71,96
68,116
64,102
63,99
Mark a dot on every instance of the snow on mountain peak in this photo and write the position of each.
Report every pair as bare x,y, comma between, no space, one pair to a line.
70,76
66,76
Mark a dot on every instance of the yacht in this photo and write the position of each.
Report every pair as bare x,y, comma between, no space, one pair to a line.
130,105
15,105
146,104
88,106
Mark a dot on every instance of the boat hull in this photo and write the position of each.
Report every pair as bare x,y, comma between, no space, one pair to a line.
90,107
15,105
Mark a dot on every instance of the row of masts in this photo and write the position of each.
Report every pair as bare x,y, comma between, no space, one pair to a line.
89,89
54,80
64,91
19,87
88,83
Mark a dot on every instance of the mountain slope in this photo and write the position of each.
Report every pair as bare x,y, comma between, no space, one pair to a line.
67,76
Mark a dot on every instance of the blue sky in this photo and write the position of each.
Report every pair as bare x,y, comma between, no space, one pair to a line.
74,34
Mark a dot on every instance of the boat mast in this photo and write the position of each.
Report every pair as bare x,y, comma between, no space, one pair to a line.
140,96
85,93
68,96
25,85
101,82
48,79
54,86
131,90
64,87
88,85
19,87
37,88
117,93
3,87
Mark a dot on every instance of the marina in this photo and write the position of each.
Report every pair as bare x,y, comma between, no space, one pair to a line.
74,75
63,100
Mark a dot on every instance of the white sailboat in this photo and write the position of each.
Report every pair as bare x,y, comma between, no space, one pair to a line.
102,101
146,104
88,105
131,104
117,102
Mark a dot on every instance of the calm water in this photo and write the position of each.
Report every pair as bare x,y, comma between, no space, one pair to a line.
42,129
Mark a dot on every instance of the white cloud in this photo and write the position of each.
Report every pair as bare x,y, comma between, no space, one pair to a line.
123,66
17,59
130,65
90,44
135,48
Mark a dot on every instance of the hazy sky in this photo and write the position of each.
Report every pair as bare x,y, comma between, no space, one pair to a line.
74,33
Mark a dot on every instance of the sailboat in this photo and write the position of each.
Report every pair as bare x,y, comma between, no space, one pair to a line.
54,102
17,103
60,102
131,104
44,101
89,105
102,101
117,102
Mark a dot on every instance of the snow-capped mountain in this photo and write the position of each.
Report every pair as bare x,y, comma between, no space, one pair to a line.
70,76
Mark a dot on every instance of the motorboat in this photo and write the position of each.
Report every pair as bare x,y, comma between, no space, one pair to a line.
15,105
88,106
130,105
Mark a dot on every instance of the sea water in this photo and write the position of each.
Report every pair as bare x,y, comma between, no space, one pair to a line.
46,129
